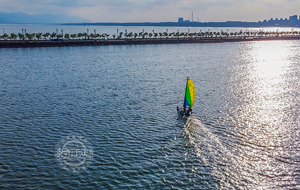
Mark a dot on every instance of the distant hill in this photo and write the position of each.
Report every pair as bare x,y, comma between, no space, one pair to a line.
23,18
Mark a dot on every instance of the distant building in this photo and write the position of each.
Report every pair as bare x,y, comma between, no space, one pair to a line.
180,19
293,18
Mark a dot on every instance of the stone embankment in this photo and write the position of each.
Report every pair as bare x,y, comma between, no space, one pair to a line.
133,41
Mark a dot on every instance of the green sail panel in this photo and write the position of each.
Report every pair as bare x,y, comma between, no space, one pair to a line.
190,94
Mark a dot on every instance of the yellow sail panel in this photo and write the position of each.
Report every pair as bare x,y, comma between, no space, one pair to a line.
190,92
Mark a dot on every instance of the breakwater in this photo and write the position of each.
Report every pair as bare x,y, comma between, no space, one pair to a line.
133,41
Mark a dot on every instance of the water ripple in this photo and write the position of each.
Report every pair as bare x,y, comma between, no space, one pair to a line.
123,99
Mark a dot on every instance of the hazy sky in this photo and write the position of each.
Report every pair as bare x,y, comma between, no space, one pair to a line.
158,10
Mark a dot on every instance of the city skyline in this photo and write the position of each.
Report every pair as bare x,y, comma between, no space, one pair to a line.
158,11
292,18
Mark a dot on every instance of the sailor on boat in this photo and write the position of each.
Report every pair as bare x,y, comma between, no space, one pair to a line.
189,99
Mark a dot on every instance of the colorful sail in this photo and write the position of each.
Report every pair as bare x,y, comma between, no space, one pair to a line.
189,94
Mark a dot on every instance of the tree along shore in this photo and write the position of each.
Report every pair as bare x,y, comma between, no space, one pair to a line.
85,39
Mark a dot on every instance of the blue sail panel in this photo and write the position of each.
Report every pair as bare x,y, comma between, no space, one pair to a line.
186,103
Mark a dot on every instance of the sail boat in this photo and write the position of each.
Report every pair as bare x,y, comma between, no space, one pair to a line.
189,99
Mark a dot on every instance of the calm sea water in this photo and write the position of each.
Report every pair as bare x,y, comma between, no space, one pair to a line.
122,99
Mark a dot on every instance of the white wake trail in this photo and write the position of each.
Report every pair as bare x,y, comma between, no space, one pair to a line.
212,153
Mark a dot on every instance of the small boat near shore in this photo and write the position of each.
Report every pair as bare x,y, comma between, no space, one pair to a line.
189,99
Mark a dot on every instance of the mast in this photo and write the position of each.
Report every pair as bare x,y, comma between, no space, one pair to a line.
184,102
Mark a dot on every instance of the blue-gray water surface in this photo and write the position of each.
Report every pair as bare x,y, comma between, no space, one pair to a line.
122,99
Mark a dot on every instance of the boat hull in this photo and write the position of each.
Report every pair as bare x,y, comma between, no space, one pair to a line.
182,113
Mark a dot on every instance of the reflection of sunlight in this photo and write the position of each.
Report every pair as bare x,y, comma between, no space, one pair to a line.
263,112
268,80
270,64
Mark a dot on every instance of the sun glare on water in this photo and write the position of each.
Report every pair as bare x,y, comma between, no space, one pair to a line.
265,113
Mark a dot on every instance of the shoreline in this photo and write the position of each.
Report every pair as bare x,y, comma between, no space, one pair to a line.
133,41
